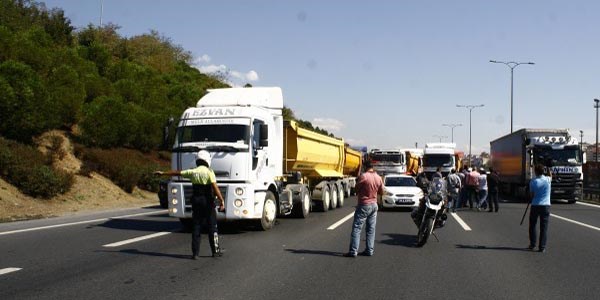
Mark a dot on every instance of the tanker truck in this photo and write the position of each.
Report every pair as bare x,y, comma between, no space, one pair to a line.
265,167
514,156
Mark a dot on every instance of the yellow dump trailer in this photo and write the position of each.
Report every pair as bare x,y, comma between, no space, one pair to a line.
326,165
353,161
315,155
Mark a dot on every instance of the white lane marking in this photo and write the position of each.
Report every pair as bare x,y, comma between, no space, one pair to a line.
461,222
8,270
587,204
82,222
575,222
137,239
340,222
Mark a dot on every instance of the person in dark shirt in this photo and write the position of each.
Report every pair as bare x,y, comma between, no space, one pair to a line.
493,182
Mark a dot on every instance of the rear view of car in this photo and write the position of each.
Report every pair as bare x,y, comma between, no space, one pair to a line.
400,191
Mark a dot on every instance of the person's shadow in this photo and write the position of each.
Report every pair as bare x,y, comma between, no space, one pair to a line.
481,247
315,252
398,239
155,254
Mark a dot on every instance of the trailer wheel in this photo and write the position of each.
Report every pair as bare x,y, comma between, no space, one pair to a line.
325,198
269,213
303,210
334,196
341,196
348,190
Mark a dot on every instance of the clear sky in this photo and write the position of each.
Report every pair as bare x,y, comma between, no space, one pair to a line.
389,73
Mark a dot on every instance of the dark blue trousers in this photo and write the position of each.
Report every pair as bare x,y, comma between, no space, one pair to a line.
542,213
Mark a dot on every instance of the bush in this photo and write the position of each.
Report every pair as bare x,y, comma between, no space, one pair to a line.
30,171
125,167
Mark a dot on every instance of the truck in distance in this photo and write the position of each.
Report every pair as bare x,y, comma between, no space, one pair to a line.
440,155
515,155
392,161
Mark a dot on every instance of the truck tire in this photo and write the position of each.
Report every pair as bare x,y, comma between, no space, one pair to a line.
325,198
334,196
269,213
348,190
341,194
302,210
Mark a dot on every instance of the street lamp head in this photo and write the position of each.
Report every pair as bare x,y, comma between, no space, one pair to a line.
531,63
596,100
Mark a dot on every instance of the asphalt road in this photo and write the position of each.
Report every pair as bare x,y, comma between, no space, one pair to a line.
301,258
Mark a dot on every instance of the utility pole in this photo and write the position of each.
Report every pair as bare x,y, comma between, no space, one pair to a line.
512,65
101,11
452,126
596,107
470,108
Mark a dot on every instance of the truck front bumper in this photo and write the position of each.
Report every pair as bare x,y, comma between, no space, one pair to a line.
239,201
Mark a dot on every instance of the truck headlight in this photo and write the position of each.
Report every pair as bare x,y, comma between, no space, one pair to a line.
174,191
238,202
239,191
174,201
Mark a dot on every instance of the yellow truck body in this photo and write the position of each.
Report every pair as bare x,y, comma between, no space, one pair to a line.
315,155
352,161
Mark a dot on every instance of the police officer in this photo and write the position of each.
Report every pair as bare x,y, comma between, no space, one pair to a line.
203,207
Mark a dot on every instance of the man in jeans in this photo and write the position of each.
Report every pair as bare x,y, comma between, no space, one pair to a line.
369,185
539,189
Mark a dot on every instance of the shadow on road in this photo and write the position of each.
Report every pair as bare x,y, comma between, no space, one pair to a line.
317,252
481,247
139,225
396,239
155,254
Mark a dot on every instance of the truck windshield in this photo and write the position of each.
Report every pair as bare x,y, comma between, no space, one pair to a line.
227,133
386,158
437,160
550,157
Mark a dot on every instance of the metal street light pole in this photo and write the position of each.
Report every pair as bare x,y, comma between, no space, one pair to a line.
452,126
512,65
470,108
581,145
596,107
440,137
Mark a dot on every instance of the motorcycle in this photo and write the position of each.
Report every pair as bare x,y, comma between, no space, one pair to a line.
431,212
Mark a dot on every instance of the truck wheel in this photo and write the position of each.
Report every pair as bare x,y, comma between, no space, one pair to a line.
341,196
348,190
303,210
325,198
186,224
269,212
334,196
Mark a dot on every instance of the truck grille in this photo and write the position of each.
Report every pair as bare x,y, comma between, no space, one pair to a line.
188,191
565,180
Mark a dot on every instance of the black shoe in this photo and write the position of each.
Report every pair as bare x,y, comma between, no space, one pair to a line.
195,257
542,250
217,254
365,253
496,210
531,247
489,210
349,254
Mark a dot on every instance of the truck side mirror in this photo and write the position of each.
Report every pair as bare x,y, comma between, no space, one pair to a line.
264,135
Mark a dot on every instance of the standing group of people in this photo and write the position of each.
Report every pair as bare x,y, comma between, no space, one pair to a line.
479,189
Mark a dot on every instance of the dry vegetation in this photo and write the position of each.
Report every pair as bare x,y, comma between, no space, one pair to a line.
93,192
